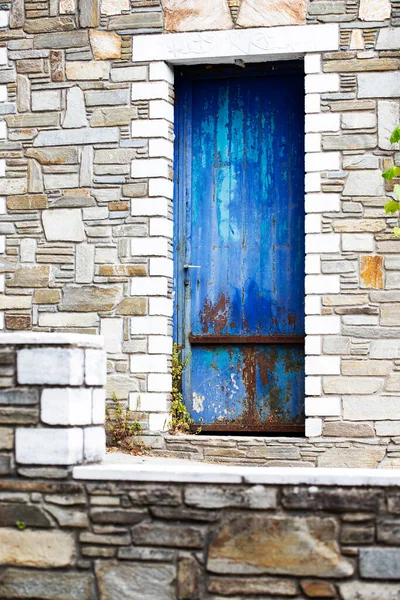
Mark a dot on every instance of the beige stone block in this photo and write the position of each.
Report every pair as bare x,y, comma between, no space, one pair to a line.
357,40
366,458
192,15
374,10
366,367
105,45
87,70
351,385
345,300
358,225
268,13
54,156
46,296
106,117
348,429
390,314
278,545
31,277
38,549
114,7
88,298
14,302
13,186
371,408
27,202
67,7
136,581
6,438
132,306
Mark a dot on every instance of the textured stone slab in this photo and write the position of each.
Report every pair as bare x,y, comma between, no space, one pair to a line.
90,297
114,7
269,13
362,590
47,585
175,535
139,20
49,24
89,13
58,366
87,70
278,545
379,85
39,549
136,581
77,136
63,225
105,45
6,438
380,563
388,119
190,15
367,458
214,497
374,10
31,276
55,156
364,183
105,117
70,39
388,38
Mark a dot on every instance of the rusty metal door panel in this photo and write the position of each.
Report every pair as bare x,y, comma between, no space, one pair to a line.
239,276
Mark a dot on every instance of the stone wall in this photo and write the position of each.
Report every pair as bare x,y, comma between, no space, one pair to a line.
86,207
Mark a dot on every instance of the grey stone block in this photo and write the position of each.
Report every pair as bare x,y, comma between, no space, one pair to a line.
380,563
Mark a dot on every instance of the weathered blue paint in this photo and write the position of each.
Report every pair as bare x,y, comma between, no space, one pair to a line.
240,217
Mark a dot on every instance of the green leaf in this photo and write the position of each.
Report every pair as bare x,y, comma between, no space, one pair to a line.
392,172
395,137
391,207
397,191
396,231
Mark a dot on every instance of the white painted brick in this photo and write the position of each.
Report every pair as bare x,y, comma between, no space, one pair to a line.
160,344
322,284
150,167
149,363
321,83
98,405
161,306
106,255
313,345
161,147
2,244
49,446
66,406
322,122
95,367
60,366
161,266
3,130
322,365
161,109
4,18
322,243
147,128
313,305
27,250
161,226
161,187
149,326
312,182
313,103
161,71
322,324
323,407
155,246
112,331
147,207
322,203
2,167
2,205
313,386
3,93
151,91
149,286
312,142
313,223
68,319
313,264
1,320
2,283
148,402
322,161
358,242
312,63
313,427
3,55
158,382
94,444
158,422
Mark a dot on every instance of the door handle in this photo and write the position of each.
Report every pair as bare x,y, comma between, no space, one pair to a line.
191,266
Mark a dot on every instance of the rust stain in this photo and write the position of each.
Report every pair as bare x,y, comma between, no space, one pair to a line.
292,320
173,18
215,316
294,8
371,271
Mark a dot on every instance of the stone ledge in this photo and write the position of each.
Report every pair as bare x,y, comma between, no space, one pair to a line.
51,339
179,471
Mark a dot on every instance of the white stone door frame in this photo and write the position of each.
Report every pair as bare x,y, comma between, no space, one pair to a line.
163,51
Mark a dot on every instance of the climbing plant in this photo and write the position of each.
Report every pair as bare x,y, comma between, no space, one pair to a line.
122,429
393,206
180,421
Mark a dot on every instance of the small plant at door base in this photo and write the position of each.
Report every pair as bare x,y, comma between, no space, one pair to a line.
181,420
21,525
393,206
122,429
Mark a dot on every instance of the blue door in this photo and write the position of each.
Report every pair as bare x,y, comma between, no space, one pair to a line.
239,245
